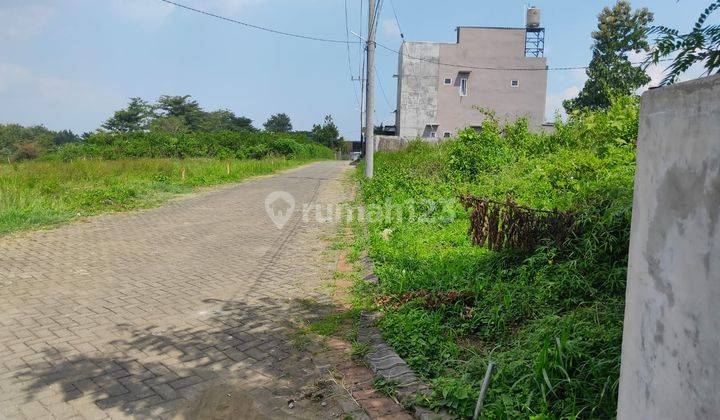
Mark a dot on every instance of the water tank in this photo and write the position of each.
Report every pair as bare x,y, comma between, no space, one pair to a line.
533,17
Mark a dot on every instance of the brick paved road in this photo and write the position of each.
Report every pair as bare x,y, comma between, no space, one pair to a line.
135,314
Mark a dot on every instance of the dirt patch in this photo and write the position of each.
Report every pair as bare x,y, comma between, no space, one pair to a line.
223,401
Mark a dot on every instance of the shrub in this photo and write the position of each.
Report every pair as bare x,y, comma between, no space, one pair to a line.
223,144
25,151
551,317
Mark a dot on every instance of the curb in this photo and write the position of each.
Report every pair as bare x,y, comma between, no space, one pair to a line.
386,364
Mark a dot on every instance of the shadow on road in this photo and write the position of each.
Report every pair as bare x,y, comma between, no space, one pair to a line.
155,371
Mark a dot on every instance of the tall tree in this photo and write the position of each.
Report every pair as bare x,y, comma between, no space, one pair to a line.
225,120
180,107
620,31
327,133
278,123
169,124
65,136
700,45
133,118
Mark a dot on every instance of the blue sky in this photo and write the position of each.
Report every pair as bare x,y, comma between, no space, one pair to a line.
70,63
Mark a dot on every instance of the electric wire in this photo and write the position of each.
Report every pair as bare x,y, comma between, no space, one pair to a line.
258,27
397,21
466,66
382,89
349,61
385,47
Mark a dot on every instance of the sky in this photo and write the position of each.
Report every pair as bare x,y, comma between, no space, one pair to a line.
68,64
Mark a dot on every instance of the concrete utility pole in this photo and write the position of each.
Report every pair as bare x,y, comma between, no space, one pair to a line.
370,92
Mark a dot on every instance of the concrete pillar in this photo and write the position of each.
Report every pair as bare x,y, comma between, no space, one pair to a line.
671,341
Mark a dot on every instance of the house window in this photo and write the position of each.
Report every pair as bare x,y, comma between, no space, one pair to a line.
463,86
447,134
430,131
514,83
448,81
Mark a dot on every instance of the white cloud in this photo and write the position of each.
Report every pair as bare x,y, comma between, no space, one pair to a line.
24,19
555,102
389,28
571,83
655,71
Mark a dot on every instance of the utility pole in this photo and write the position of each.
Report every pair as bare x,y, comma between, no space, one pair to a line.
370,92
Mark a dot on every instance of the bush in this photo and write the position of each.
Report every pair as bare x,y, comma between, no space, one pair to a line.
551,318
224,144
25,151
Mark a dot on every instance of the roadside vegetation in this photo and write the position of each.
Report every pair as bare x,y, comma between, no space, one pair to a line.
549,316
173,126
37,194
142,155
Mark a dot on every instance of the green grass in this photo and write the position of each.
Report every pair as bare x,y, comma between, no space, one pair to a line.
331,324
552,318
36,194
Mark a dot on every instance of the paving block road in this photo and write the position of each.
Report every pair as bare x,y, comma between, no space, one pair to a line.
139,314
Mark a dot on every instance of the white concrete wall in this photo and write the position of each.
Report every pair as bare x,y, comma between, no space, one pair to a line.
671,342
417,88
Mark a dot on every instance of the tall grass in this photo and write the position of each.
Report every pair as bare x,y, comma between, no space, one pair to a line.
35,194
551,318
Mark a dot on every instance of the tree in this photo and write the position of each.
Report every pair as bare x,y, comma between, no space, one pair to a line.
225,120
327,134
65,136
169,124
278,123
700,45
610,73
133,118
181,107
12,136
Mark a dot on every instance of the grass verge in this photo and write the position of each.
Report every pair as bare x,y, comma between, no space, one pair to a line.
37,194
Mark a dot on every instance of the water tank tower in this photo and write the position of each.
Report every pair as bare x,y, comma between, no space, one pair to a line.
534,34
533,17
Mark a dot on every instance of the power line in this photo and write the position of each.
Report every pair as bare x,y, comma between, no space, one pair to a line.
362,97
261,28
382,89
360,44
378,13
376,17
464,66
340,41
397,21
347,38
429,60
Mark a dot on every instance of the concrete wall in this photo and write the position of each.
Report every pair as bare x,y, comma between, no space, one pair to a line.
494,48
671,342
389,143
417,88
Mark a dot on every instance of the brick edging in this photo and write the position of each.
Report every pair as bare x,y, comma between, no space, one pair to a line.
386,364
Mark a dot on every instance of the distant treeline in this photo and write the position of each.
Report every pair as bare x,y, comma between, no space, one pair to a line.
173,126
223,144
